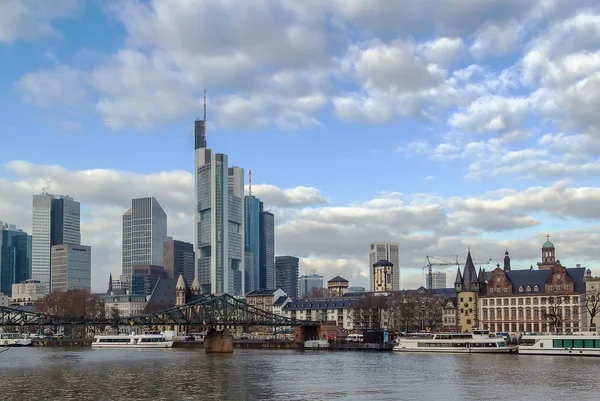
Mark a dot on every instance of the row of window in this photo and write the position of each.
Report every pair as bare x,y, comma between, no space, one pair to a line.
527,313
576,343
526,301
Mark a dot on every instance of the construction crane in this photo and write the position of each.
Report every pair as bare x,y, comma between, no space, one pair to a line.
431,261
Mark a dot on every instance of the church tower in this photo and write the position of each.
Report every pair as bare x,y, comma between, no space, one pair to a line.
506,261
196,286
180,290
548,255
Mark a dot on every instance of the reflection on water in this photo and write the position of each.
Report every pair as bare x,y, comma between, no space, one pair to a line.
85,374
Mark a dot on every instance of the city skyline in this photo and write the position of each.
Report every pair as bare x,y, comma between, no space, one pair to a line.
463,127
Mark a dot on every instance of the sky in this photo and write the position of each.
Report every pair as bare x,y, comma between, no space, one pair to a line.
437,125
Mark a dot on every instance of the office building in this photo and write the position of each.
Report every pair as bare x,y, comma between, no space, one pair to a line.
252,209
71,267
56,220
438,280
267,250
178,258
144,279
306,284
286,275
15,257
337,286
354,290
27,292
144,235
389,252
219,219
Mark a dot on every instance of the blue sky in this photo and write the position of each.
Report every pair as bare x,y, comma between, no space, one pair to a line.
482,117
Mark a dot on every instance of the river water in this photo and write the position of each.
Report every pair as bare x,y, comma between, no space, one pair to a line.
183,374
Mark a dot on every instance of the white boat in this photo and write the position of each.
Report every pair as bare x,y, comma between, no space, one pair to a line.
14,340
577,344
132,341
478,341
316,344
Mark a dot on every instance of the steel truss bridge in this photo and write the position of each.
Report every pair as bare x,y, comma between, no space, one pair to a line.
208,311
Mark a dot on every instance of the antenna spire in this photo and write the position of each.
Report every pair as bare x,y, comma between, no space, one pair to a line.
250,182
205,105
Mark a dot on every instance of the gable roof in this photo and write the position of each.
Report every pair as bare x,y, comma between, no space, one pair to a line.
532,278
383,262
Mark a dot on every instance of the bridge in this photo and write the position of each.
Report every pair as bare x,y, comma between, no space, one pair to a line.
215,312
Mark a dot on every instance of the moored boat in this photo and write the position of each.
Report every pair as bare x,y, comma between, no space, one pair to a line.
14,340
576,344
132,341
316,344
478,341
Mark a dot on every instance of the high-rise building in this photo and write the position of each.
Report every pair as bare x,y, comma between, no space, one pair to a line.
385,251
71,267
286,275
178,258
438,280
308,282
144,279
267,250
56,221
15,257
219,219
252,209
144,235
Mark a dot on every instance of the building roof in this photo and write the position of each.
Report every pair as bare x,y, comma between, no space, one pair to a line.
532,278
196,284
163,296
181,284
280,301
260,292
338,279
548,244
383,262
443,292
324,303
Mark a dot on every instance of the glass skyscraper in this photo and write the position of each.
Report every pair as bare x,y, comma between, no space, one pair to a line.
144,235
219,220
252,210
286,275
267,250
56,220
15,257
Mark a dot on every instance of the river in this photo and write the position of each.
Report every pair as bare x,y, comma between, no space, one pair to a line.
190,374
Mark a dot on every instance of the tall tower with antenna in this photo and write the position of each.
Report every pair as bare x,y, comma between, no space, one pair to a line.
200,129
249,182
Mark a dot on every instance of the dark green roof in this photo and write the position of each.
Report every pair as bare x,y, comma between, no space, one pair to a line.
548,244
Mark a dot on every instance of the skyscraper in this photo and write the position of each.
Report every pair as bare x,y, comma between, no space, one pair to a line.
252,209
385,251
267,250
438,280
56,220
71,267
15,257
144,233
308,282
219,219
286,275
178,258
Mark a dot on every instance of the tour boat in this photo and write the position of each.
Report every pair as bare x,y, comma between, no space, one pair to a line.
576,344
14,340
132,341
316,344
478,341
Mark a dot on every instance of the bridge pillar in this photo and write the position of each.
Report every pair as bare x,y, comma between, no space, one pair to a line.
218,342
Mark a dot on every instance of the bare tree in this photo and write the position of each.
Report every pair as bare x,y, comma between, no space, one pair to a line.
367,313
416,311
592,304
114,313
316,293
553,312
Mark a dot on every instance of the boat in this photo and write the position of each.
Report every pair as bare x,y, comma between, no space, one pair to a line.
14,340
131,341
316,344
575,344
475,342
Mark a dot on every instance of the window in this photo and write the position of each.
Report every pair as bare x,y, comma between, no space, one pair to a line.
558,288
536,288
550,287
491,290
491,302
513,301
470,299
505,289
499,289
521,288
527,301
528,288
520,301
461,299
567,286
484,302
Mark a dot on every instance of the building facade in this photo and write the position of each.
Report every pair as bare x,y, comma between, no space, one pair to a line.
27,292
449,322
219,219
306,284
383,272
55,221
15,257
337,286
144,279
469,285
286,274
71,267
123,305
252,245
549,299
337,311
438,280
385,251
267,250
264,299
178,258
144,235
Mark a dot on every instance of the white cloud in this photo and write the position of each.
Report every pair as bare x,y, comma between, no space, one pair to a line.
497,39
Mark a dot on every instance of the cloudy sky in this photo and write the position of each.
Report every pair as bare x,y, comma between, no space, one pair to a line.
437,125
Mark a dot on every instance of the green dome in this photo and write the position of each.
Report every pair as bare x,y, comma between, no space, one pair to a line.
548,244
